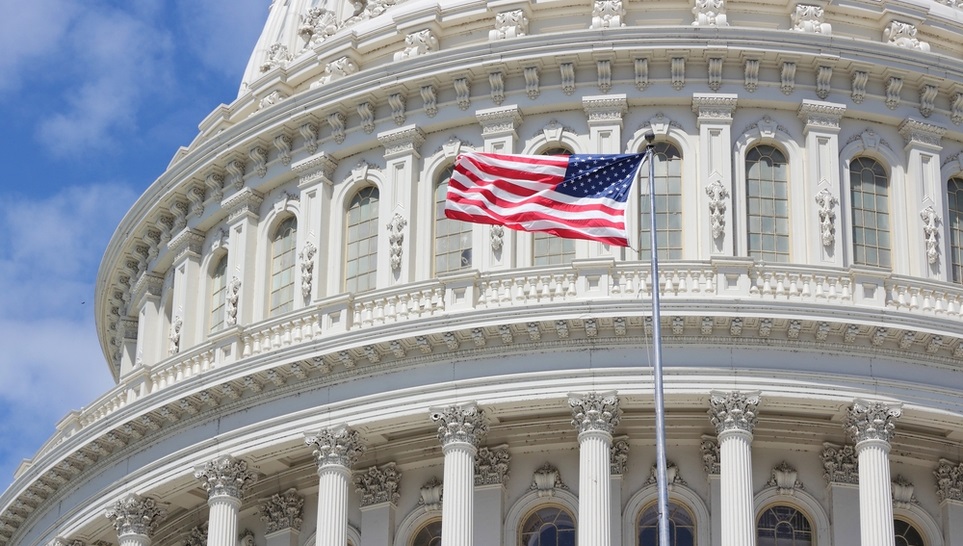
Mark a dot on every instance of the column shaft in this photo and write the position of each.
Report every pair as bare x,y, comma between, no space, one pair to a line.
738,521
875,494
133,540
333,505
594,489
222,522
458,506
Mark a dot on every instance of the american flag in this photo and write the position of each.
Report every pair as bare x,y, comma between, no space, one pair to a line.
571,196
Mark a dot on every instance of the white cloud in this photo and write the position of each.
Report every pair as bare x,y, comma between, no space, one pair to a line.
30,31
222,33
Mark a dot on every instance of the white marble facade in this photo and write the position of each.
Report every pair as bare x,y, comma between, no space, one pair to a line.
306,354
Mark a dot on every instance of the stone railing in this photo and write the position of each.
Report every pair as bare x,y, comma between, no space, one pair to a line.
462,294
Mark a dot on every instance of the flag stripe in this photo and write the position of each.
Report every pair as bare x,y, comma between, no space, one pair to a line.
578,196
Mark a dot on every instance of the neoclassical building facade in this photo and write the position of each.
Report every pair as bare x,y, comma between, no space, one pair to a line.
307,352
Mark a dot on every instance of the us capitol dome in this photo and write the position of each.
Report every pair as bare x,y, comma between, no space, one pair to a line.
307,352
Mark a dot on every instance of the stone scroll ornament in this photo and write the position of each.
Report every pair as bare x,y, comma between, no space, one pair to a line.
175,336
931,230
306,257
233,294
827,216
718,194
396,238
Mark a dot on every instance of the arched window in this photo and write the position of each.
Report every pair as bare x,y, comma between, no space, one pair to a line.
548,526
428,535
767,198
548,249
906,534
682,531
361,243
870,196
954,190
452,237
783,526
218,293
282,266
668,205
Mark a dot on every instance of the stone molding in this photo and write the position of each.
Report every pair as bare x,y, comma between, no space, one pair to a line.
319,167
245,202
868,420
714,107
282,511
135,515
733,411
619,455
491,465
920,132
378,484
405,140
499,121
546,480
225,477
821,115
431,495
840,463
783,477
595,411
949,480
336,446
607,108
710,455
463,423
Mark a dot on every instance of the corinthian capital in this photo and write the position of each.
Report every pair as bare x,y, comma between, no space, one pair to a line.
733,410
339,446
871,420
225,477
135,515
464,424
595,411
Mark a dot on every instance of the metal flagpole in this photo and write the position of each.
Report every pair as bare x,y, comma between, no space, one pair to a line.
661,472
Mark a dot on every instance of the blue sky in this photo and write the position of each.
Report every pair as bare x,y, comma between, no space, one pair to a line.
95,98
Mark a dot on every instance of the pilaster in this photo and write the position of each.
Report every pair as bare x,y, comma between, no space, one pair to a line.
378,486
187,306
401,159
460,429
823,185
714,112
925,201
243,215
842,475
491,476
871,425
317,187
283,514
595,415
734,416
604,113
150,348
949,489
498,131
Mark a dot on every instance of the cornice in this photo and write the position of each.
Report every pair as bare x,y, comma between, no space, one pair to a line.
245,203
824,116
921,133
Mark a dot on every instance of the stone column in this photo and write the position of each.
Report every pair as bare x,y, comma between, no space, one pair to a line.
283,515
871,425
949,489
135,519
734,416
224,480
379,498
151,346
335,450
822,186
842,473
460,429
491,475
595,415
715,171
618,460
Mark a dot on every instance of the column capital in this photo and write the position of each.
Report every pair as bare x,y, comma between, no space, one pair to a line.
282,511
949,480
840,463
605,108
378,484
595,411
135,515
491,465
401,141
733,411
337,446
462,424
225,477
871,420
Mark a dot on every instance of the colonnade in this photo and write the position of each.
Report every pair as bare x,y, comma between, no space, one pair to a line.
461,428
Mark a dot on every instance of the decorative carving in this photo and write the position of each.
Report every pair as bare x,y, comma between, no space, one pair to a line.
462,92
336,122
491,465
509,24
174,337
497,237
903,492
230,303
718,194
431,495
531,82
902,34
398,105
641,74
317,25
893,87
278,56
824,78
378,484
396,239
949,480
496,81
418,43
871,420
135,515
595,411
567,71
956,109
306,257
283,143
677,68
338,446
546,480
710,455
827,203
918,132
607,14
235,168
709,13
733,410
463,424
752,75
197,536
368,9
784,478
282,511
931,222
225,477
715,73
860,79
840,463
430,99
809,18
928,94
215,184
619,456
787,78
271,99
336,70
366,113
259,156
671,474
